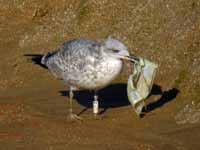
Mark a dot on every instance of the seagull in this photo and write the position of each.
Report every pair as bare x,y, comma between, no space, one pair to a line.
87,65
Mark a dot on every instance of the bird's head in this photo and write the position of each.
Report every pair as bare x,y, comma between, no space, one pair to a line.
117,49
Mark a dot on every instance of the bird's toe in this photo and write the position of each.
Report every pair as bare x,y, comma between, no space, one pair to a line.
74,117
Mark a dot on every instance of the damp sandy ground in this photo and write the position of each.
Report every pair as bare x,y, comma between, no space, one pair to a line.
34,105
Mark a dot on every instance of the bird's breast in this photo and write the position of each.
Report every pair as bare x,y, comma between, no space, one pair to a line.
100,74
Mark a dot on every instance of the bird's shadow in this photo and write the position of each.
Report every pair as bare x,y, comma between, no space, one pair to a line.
116,96
113,95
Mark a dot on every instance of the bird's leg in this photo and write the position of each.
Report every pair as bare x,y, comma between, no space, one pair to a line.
95,104
145,107
72,116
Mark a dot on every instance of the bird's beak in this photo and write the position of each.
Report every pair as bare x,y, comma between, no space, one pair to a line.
132,58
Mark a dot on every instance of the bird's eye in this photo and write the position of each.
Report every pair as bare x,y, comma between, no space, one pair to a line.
115,50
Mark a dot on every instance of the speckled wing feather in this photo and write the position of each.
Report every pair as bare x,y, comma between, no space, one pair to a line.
70,59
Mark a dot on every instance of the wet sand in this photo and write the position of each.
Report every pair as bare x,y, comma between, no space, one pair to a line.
34,105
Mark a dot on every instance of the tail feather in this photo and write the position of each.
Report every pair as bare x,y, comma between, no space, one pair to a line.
44,59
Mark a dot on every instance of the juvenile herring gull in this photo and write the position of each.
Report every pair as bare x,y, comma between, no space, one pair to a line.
85,64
